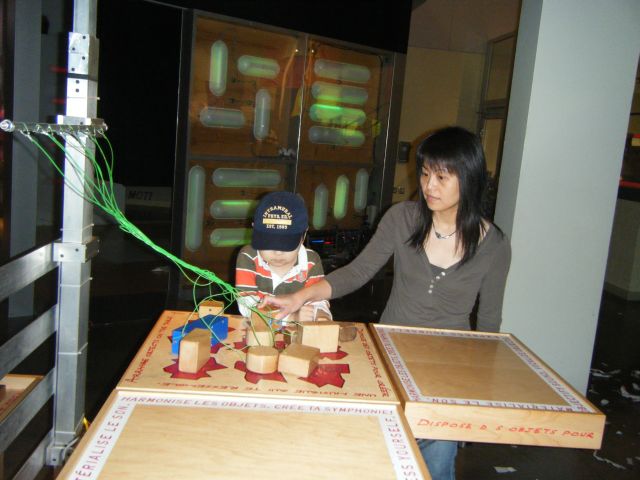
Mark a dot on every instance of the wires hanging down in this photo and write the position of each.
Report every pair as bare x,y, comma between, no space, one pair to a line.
90,141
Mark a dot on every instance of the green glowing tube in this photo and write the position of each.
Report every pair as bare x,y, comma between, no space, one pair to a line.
340,200
337,115
341,71
320,206
336,136
360,194
258,66
230,237
195,208
246,177
218,68
232,209
333,92
262,114
222,117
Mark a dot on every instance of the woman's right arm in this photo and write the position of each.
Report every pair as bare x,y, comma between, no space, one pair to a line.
286,304
349,278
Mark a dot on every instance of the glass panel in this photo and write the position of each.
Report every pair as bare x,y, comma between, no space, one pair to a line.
242,89
492,143
502,53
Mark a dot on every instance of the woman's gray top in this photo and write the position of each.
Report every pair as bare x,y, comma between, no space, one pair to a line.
424,295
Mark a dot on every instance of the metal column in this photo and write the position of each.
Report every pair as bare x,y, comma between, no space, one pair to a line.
75,268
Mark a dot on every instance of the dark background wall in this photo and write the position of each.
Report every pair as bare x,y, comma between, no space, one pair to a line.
140,62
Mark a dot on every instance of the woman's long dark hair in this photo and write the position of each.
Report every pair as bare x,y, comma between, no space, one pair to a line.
459,152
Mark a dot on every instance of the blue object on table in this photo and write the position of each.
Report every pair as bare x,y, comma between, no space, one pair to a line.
218,324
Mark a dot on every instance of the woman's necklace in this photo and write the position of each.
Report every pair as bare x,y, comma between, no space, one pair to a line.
439,236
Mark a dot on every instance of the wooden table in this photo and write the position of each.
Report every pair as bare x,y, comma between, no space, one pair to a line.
16,388
162,435
354,373
484,387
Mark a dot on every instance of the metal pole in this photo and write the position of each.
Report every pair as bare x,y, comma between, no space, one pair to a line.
74,275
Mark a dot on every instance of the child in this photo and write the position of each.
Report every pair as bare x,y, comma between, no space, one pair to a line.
276,262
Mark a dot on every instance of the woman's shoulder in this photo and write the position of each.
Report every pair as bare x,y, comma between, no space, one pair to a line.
496,238
403,209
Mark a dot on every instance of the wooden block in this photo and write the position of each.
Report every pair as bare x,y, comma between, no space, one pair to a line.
348,331
262,359
322,335
299,360
3,390
260,334
290,335
264,314
195,350
210,307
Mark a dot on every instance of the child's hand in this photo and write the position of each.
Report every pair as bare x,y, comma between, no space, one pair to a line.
306,313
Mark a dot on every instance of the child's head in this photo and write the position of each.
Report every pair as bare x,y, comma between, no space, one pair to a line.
279,223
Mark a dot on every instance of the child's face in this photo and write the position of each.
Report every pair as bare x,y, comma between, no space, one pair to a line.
278,259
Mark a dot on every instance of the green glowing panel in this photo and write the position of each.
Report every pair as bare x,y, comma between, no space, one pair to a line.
195,208
341,197
343,137
341,71
320,206
333,92
258,66
246,177
222,117
232,209
230,237
361,190
337,115
218,68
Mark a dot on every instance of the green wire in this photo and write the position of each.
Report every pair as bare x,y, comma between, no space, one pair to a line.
99,191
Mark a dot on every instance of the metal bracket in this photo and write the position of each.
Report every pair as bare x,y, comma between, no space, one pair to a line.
83,55
76,252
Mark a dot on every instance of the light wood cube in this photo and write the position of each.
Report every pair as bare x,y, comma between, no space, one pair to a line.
261,334
322,335
210,307
195,350
262,360
299,360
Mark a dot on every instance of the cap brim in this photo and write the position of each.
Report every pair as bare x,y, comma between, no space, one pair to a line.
281,243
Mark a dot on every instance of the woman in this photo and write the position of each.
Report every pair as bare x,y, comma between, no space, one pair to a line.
446,255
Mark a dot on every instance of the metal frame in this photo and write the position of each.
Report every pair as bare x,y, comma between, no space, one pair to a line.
65,382
75,275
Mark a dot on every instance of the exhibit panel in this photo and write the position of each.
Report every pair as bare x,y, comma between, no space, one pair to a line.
265,109
140,435
353,372
484,387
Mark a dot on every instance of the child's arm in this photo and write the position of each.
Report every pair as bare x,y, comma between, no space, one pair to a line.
246,281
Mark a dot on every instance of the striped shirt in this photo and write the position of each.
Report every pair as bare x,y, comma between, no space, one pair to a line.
255,280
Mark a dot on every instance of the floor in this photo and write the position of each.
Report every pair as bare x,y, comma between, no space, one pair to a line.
128,297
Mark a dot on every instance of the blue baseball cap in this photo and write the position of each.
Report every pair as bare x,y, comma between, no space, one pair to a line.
279,222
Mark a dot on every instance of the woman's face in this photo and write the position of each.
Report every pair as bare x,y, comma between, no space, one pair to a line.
440,188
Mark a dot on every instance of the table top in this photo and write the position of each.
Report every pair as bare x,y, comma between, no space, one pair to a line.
485,387
161,435
354,373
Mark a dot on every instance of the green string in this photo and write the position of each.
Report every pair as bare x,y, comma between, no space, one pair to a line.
99,191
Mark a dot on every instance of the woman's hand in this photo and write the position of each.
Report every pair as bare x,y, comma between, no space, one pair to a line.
285,304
